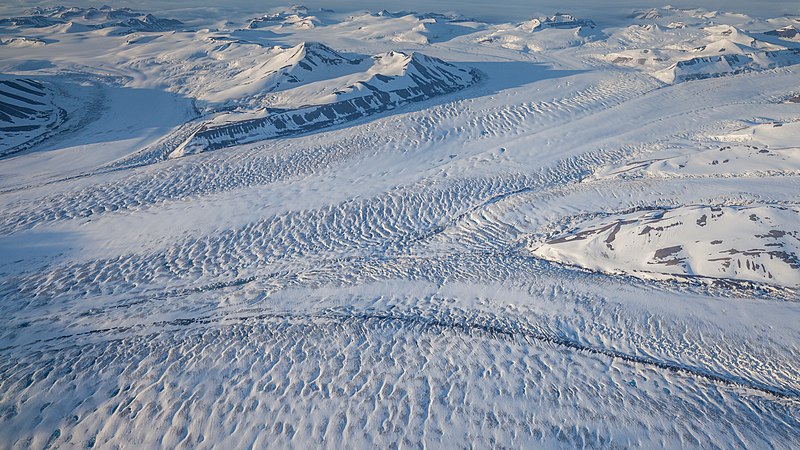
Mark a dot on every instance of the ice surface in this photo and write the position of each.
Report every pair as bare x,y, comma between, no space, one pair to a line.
373,225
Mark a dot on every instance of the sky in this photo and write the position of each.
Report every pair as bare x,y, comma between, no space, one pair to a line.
603,11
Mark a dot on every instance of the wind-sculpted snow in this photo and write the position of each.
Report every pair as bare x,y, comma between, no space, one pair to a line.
252,383
766,149
415,229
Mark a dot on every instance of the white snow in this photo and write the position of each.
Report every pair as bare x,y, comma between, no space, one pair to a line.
357,224
763,244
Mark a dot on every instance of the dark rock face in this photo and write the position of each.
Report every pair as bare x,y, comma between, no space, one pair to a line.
20,99
788,32
26,112
426,78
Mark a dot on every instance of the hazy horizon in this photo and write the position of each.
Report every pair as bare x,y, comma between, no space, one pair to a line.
512,10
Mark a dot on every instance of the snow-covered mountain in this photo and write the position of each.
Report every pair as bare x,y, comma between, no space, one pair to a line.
789,32
702,67
22,41
74,19
296,17
395,79
673,53
221,71
560,20
559,31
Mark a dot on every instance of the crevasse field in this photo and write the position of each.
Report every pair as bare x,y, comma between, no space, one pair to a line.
348,228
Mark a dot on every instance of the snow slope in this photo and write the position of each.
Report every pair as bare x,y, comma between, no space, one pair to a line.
752,150
765,244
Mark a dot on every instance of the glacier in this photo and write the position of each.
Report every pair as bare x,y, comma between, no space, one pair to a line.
399,225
